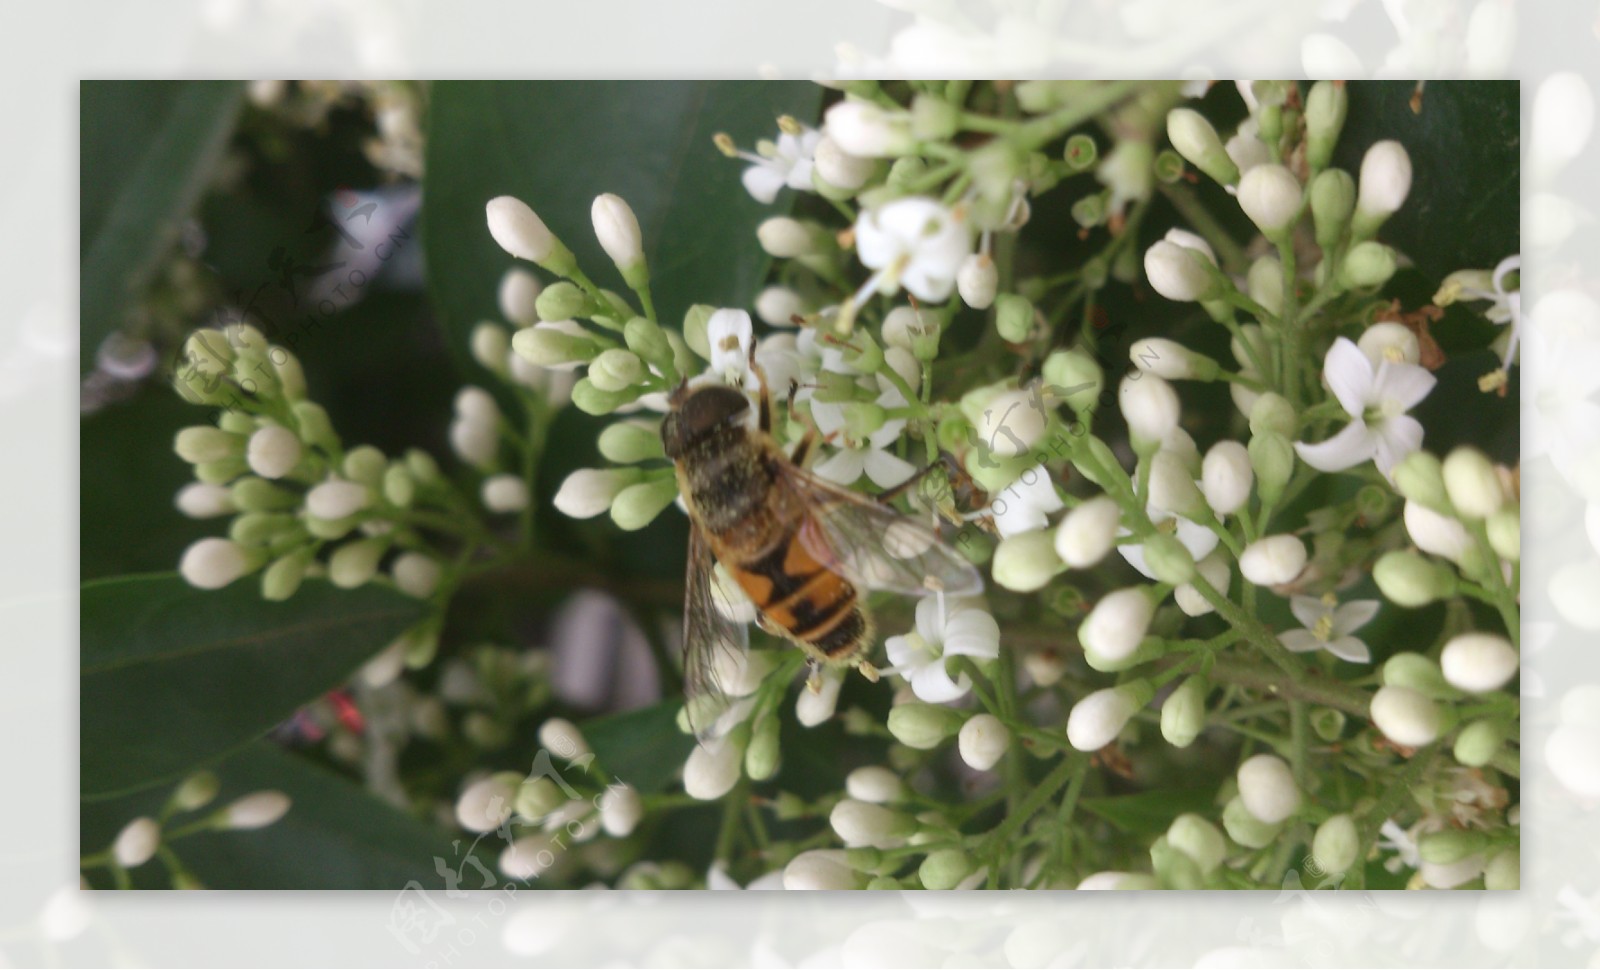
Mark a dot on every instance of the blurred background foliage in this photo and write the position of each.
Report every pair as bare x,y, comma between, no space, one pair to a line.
195,198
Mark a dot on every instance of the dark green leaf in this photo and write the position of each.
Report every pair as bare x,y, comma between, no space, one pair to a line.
147,149
557,145
1149,812
643,747
336,835
173,676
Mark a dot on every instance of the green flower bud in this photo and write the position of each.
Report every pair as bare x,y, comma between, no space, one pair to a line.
1027,561
1326,105
1337,845
314,427
616,370
1472,483
650,342
1374,503
762,757
422,644
562,300
1183,715
1450,845
491,345
933,118
1194,138
591,399
422,467
1409,579
399,488
329,529
1328,723
355,563
1080,153
237,422
1417,672
835,388
553,344
695,323
904,172
291,377
1405,716
537,797
1272,460
1368,264
1504,870
1175,868
1074,377
629,442
1199,840
1505,533
923,726
1420,478
283,577
1479,742
1013,317
637,505
220,472
1246,829
261,528
945,868
1168,559
1168,167
1333,199
1090,210
259,495
196,791
203,443
367,465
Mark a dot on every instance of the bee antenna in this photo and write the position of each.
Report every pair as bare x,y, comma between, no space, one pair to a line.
679,392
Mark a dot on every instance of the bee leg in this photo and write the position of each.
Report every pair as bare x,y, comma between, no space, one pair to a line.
889,495
765,396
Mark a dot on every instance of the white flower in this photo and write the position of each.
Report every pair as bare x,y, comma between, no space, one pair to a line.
820,869
1377,400
712,768
871,456
1271,196
813,707
1012,422
1025,503
519,291
518,230
1149,405
337,498
874,783
1385,179
1390,341
1395,839
1226,477
1194,537
839,168
620,811
1115,626
273,451
729,333
1173,266
1329,627
868,131
199,500
784,163
617,228
1267,788
1095,721
912,242
946,627
1505,306
1405,716
1273,560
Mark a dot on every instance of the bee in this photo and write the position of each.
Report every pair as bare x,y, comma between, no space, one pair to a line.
804,550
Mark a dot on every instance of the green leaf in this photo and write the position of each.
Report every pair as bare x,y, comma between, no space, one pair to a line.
335,836
642,747
174,676
1462,211
1150,812
556,145
147,151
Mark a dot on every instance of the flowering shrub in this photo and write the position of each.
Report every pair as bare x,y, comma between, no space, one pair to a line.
1251,605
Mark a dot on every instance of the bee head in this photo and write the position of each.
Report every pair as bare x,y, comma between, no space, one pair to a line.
699,412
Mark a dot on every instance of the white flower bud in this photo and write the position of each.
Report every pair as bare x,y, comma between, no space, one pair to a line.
1225,477
863,824
814,707
868,131
1149,405
1267,788
982,741
519,292
1449,875
1367,264
1088,532
1438,534
416,574
1096,720
1336,846
977,280
1215,570
1271,197
778,305
1115,626
505,493
1118,880
1011,423
256,810
1171,360
1405,716
137,842
1172,487
620,811
1183,714
213,563
1385,182
518,230
1472,484
1026,561
589,491
617,228
195,791
1478,662
199,500
874,784
1273,560
273,451
337,499
838,168
1176,272
476,441
1394,342
1246,829
484,805
562,738
1199,840
1194,138
1505,533
786,238
491,346
820,869
712,769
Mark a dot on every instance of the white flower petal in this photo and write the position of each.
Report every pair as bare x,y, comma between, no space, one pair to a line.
1349,376
1299,641
886,470
1399,437
763,181
1351,649
1401,386
1308,610
1354,615
844,467
1347,449
933,684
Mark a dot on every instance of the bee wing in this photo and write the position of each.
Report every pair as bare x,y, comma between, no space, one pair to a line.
871,543
711,639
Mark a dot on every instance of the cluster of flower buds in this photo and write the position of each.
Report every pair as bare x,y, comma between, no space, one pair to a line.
143,838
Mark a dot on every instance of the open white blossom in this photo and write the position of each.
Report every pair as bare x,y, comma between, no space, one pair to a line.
1026,503
946,627
915,243
1377,400
786,162
871,456
1328,626
1194,537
